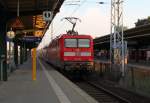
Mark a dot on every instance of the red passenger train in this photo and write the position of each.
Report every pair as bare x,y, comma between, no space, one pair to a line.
71,52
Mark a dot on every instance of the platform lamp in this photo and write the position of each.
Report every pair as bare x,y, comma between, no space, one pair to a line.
10,35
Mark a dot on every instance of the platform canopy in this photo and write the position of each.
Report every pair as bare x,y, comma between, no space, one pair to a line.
30,17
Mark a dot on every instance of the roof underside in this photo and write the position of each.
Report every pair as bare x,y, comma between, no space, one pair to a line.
138,36
30,12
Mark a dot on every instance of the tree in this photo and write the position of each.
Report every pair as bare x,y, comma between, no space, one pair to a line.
141,22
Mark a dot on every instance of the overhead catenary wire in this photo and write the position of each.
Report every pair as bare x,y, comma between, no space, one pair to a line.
57,30
73,12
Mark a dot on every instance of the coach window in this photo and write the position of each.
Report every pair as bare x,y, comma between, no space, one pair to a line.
84,43
70,42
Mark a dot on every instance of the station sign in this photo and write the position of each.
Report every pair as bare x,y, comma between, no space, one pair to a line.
31,39
17,23
47,15
38,33
39,24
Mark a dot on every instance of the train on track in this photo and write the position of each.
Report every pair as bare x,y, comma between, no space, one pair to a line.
71,52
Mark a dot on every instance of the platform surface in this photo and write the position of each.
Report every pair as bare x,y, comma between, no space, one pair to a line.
50,87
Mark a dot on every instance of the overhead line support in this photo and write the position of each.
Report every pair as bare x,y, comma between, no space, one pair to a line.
116,38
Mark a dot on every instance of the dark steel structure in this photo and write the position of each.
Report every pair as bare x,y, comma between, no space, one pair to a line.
9,10
135,37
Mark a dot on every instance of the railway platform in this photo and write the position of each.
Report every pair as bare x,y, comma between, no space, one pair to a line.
49,87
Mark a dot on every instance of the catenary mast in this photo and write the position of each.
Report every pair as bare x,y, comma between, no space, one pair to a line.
116,37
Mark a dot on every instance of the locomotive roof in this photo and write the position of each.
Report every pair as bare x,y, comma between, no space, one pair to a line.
76,36
69,36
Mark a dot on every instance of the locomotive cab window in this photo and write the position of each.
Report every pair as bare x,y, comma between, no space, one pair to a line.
84,43
70,42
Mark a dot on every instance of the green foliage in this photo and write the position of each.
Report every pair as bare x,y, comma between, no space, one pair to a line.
141,22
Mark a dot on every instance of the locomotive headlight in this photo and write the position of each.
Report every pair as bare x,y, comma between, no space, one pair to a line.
69,53
85,54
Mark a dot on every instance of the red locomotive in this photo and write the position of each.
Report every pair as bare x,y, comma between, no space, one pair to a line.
71,51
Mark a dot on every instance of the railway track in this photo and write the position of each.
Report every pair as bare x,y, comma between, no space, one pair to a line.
100,94
104,92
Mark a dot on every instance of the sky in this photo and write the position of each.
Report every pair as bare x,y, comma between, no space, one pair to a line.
95,18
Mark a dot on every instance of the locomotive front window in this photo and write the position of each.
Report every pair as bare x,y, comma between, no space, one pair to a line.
70,42
84,43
